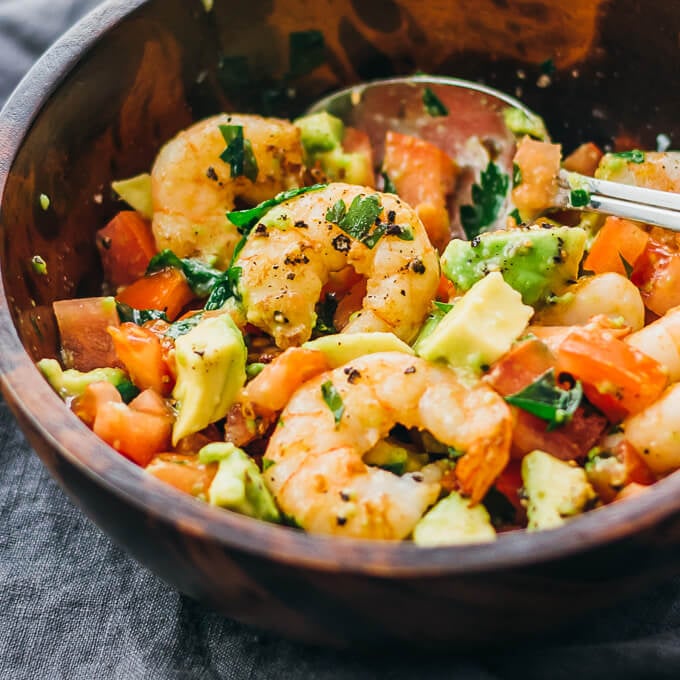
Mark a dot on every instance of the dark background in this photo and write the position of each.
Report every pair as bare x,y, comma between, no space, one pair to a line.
73,605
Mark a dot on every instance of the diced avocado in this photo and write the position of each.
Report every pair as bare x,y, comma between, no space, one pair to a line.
395,457
480,328
320,132
522,123
340,348
238,484
536,262
322,136
453,522
555,490
71,383
340,166
211,369
136,192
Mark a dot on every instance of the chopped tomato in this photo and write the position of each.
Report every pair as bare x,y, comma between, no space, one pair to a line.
520,366
141,352
617,241
636,468
446,290
423,176
617,378
149,401
349,304
138,435
509,483
274,386
523,364
83,325
166,290
630,491
87,404
657,275
126,244
183,472
584,159
539,163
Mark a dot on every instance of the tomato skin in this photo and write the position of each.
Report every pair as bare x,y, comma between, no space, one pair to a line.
126,245
617,240
617,378
657,275
521,366
83,325
273,387
166,290
142,354
584,159
184,472
509,483
423,176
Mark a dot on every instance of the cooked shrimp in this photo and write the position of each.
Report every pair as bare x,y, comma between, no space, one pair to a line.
192,187
316,470
661,341
651,169
655,432
291,253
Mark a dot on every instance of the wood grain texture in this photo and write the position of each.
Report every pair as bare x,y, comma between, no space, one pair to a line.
101,103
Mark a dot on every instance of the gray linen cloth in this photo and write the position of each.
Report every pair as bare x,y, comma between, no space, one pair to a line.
74,605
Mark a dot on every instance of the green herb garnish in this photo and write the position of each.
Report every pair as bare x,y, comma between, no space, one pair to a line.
245,220
359,218
254,369
388,185
516,216
433,105
200,277
183,326
516,175
488,198
579,198
627,266
239,152
634,156
453,453
39,265
127,391
443,306
548,67
547,400
267,463
138,316
333,400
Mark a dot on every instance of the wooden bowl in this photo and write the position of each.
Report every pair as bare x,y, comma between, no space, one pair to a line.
99,104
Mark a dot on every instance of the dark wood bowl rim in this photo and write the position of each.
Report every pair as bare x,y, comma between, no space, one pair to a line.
22,384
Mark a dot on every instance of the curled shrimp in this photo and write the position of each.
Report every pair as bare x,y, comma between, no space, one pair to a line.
192,187
291,253
314,458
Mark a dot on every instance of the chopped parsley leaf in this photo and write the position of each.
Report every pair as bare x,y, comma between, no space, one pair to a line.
200,277
433,105
488,197
547,400
579,198
127,391
239,152
516,216
634,156
333,400
138,316
245,220
627,266
183,326
516,175
359,218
